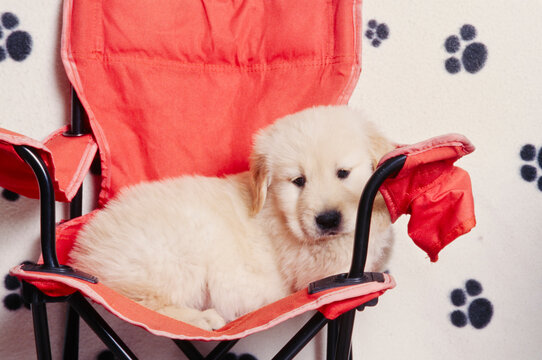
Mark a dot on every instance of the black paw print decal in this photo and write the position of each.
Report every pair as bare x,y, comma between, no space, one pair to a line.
105,355
13,301
530,172
473,56
377,32
16,44
478,312
232,356
10,195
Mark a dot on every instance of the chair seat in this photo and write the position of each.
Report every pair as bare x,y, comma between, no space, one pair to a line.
331,303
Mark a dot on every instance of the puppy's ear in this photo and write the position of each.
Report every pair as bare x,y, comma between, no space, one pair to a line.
379,145
259,181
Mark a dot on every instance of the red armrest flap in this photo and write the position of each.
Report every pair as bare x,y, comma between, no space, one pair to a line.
67,158
436,194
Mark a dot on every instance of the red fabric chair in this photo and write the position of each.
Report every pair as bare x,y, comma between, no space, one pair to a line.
179,87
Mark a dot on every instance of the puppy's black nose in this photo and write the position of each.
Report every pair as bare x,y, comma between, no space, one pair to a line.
329,220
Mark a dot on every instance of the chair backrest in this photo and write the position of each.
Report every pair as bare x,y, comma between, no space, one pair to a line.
177,87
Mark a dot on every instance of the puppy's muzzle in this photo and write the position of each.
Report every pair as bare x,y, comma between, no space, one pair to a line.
329,221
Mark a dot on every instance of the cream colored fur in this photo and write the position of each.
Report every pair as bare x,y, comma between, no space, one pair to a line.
208,250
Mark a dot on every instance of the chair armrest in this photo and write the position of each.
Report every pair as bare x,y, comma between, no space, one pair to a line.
386,170
436,194
47,202
66,158
422,181
356,274
47,210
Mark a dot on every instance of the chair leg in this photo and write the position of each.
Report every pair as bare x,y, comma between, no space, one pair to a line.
100,327
33,297
41,331
189,349
71,338
332,334
303,336
220,350
346,324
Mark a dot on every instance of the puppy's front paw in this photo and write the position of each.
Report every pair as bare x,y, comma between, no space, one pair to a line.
213,319
207,320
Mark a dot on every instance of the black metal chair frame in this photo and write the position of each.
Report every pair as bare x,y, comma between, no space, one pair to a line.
339,330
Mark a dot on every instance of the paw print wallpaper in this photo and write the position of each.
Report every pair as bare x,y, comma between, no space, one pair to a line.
478,311
532,156
18,44
472,57
428,68
377,32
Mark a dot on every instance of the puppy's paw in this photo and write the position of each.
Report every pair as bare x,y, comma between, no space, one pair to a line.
213,319
207,320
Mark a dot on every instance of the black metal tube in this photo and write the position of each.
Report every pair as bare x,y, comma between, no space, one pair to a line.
188,349
344,344
303,336
77,114
332,333
221,349
100,327
47,204
363,222
71,337
76,205
41,330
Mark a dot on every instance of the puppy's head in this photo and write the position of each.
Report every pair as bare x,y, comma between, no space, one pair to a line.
312,166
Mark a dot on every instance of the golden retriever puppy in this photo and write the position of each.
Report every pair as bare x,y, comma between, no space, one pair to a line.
208,250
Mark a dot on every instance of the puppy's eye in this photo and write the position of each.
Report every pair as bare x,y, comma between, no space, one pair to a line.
299,181
342,173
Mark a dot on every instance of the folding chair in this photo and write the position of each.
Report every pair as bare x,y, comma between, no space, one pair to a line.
179,87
